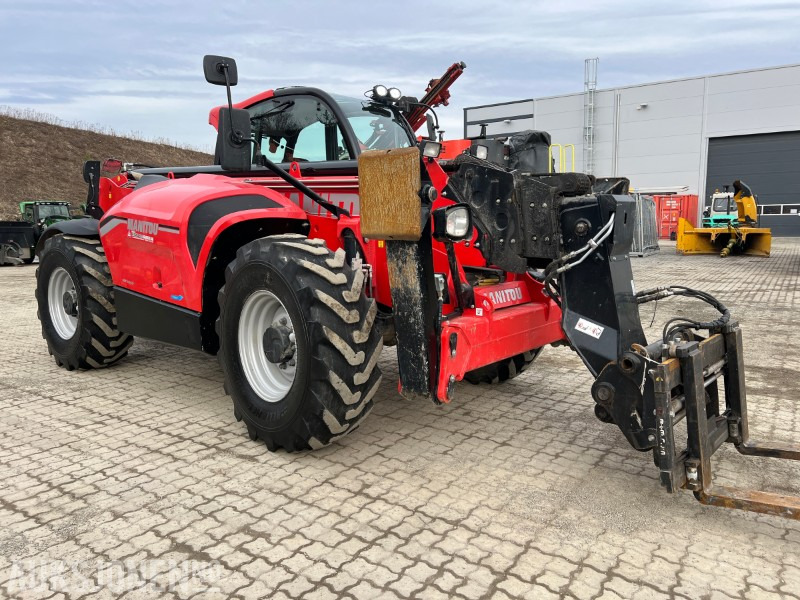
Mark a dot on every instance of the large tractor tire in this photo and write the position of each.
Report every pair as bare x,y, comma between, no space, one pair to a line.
503,370
75,299
298,345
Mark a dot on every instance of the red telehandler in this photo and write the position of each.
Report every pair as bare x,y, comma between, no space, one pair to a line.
325,230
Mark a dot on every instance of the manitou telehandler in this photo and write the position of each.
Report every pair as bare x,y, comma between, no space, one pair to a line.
326,230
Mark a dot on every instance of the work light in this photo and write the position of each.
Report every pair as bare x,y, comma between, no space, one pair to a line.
453,223
431,149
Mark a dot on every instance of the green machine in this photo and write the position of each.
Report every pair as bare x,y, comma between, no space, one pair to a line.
44,212
721,211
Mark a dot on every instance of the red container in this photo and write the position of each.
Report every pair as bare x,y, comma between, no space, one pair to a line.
670,208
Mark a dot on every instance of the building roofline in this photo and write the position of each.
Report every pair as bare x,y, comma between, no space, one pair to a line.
638,85
502,103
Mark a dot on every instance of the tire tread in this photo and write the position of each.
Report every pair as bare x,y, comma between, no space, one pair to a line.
101,343
345,345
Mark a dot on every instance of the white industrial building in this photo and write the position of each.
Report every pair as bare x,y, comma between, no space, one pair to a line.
698,134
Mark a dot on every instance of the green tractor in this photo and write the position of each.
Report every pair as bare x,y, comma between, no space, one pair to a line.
44,212
18,238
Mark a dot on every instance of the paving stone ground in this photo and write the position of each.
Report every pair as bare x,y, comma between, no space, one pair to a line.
136,481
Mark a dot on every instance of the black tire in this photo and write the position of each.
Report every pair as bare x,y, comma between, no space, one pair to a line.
336,349
503,370
96,342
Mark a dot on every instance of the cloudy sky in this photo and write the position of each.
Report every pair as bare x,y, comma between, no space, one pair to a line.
136,66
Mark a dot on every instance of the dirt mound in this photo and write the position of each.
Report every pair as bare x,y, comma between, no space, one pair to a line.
43,161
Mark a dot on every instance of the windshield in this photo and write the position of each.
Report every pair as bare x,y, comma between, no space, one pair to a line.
377,127
52,210
721,204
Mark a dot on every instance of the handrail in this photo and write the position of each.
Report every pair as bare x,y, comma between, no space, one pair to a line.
550,161
563,165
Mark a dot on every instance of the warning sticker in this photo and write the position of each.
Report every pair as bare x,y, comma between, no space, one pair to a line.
589,328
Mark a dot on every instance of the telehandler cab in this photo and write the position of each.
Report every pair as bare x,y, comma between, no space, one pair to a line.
326,231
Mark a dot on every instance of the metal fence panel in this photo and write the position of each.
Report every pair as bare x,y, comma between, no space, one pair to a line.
645,226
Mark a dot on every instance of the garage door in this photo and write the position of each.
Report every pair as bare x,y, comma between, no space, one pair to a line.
770,164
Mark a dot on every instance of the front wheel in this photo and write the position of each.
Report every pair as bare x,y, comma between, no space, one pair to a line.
298,345
75,299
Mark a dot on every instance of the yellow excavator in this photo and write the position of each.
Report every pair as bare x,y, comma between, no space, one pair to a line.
741,235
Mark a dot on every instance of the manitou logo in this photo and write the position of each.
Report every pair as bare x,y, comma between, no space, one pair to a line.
145,227
505,296
142,230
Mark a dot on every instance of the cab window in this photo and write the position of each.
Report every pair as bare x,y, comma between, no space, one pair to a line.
722,204
296,128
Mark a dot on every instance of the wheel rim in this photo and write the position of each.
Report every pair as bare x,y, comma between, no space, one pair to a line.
269,380
59,286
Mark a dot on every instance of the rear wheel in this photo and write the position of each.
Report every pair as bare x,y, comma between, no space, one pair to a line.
503,370
298,345
75,300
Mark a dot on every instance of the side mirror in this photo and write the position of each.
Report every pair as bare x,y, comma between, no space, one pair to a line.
431,127
91,171
233,139
214,68
707,212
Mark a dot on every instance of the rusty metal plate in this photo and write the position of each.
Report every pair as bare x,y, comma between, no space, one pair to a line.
389,183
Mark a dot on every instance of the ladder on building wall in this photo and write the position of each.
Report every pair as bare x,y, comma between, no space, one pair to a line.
589,90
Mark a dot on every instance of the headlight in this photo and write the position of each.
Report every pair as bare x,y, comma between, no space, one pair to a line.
481,152
380,91
394,93
452,223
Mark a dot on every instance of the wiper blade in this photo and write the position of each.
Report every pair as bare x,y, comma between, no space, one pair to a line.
377,110
276,109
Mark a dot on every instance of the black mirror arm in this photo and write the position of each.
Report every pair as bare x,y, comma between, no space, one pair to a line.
236,136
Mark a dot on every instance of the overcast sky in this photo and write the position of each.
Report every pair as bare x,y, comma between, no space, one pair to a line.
137,66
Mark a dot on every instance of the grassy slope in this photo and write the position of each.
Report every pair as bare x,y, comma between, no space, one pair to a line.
43,161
